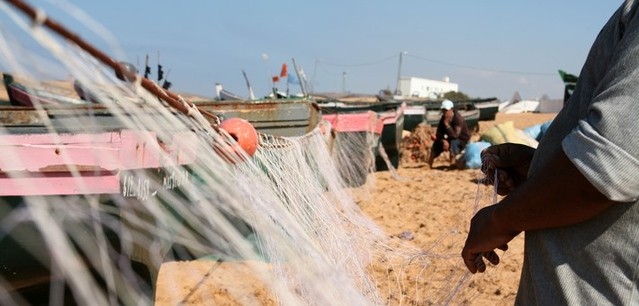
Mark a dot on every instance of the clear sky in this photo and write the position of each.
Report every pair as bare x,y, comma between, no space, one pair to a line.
490,48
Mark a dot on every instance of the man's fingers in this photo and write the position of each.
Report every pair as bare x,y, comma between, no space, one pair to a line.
488,163
480,264
492,257
504,190
469,261
505,186
503,176
475,261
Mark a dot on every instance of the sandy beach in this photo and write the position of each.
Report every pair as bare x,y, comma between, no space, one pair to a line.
427,208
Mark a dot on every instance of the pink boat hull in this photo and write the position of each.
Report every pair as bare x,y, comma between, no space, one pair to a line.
368,121
71,164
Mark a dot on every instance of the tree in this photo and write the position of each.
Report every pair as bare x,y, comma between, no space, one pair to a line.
386,92
456,96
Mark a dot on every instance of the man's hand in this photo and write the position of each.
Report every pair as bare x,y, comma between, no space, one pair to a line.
511,161
445,145
448,117
484,237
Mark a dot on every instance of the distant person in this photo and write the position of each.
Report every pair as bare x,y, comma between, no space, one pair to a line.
452,133
576,195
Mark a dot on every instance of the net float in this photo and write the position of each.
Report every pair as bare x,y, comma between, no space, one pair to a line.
244,135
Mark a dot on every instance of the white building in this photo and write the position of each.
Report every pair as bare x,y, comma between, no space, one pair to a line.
424,88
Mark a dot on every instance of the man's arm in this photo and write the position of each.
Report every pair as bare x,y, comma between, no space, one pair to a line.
558,195
441,129
453,128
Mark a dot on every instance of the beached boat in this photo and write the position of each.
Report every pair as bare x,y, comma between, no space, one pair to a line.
280,117
355,138
92,188
99,173
518,107
81,185
423,111
225,95
82,153
21,94
222,94
428,111
488,108
414,114
393,119
391,114
87,151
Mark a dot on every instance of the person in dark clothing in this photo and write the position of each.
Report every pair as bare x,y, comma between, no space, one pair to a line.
576,196
452,133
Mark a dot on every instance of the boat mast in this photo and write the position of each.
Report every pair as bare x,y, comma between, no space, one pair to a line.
173,99
299,77
250,89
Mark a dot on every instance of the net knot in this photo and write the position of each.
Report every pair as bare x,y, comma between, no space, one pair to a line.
39,18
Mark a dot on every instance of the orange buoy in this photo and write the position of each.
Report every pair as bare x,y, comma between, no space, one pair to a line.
243,133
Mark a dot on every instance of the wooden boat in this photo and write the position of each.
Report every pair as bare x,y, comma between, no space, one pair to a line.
488,108
277,114
21,94
70,150
104,174
82,180
225,95
431,113
414,114
280,117
420,111
393,119
518,107
361,131
81,153
392,115
91,152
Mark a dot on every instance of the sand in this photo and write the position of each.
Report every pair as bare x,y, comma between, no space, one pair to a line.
427,208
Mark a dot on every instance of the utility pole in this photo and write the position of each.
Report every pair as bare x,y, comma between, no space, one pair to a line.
399,72
344,81
265,58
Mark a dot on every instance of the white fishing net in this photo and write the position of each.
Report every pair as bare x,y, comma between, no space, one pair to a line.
99,198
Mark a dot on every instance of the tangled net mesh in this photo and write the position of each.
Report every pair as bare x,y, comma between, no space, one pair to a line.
146,186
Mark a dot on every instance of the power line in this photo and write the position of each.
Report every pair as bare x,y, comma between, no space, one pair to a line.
375,62
319,63
359,64
327,63
482,69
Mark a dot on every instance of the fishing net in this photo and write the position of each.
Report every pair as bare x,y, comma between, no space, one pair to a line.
111,202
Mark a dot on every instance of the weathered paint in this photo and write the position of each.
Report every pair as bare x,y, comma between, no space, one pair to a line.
273,117
58,183
64,164
368,121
